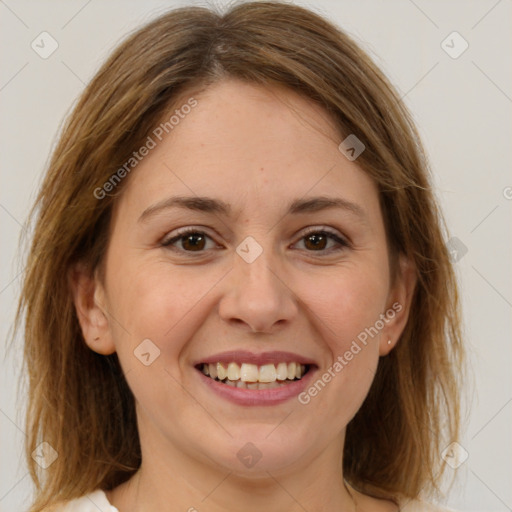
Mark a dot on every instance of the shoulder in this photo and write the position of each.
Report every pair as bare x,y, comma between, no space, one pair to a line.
423,506
95,501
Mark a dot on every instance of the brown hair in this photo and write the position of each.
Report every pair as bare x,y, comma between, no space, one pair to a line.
79,401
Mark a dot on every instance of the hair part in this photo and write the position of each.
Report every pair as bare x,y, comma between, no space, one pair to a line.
79,401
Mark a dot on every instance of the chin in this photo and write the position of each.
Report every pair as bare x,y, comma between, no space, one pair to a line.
254,451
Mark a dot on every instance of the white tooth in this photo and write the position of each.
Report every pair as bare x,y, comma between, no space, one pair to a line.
298,372
233,371
303,370
212,368
267,373
252,385
205,369
222,372
282,371
291,371
230,383
249,372
241,384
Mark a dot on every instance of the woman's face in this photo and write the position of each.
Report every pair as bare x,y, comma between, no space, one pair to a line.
273,277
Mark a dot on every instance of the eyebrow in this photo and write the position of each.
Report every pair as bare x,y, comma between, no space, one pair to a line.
217,206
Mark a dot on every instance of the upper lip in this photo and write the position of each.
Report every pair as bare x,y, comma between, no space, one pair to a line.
244,356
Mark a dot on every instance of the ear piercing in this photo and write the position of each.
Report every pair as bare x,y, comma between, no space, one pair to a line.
389,342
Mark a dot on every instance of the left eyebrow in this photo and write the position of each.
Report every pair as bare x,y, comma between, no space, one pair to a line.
216,206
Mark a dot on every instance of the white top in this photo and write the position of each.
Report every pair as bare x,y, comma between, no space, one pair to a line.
97,501
93,502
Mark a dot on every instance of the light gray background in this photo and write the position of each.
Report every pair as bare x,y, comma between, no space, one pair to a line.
462,107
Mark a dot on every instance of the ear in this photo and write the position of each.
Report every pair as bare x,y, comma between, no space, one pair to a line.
89,299
398,306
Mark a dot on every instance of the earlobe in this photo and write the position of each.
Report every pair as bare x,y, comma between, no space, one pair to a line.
88,298
399,305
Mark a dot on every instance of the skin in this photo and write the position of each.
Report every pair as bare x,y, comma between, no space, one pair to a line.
257,149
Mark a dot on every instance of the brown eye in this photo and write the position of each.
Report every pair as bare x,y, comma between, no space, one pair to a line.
317,241
191,241
195,241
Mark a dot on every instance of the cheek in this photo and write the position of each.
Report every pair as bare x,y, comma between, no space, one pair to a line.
167,306
346,310
159,302
347,302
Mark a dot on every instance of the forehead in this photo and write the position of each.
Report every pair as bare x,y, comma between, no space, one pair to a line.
253,146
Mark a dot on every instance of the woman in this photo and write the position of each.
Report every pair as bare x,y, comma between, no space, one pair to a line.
238,294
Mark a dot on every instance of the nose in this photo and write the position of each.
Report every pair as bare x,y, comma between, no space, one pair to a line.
258,298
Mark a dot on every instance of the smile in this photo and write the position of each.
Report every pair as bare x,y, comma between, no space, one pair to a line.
252,376
250,379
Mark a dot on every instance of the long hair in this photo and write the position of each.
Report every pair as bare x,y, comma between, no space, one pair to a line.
79,401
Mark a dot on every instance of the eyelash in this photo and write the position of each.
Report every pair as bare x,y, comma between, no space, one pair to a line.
343,244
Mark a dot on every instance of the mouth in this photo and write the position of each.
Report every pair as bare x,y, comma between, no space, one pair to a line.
249,379
252,376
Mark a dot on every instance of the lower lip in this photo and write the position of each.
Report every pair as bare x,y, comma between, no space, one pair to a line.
273,396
